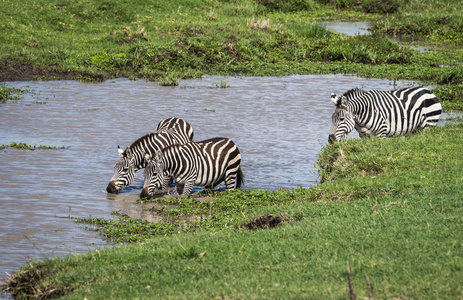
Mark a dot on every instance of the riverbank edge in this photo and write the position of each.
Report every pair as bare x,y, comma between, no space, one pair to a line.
380,188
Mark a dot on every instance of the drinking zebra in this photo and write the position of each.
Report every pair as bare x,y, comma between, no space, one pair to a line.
168,132
383,113
206,163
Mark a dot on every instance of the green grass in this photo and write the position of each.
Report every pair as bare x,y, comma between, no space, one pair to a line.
170,40
395,213
439,21
398,223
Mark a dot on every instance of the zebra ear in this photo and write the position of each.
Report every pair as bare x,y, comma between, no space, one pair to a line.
120,151
334,99
344,103
148,157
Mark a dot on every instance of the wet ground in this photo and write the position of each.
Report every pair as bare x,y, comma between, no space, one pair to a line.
279,124
348,28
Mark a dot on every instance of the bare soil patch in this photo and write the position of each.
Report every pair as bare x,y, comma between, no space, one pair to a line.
16,71
265,222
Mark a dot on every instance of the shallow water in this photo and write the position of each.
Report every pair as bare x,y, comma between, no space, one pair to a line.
279,124
353,28
348,28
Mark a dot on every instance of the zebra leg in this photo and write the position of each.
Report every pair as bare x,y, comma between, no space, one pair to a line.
234,178
230,179
212,186
188,186
179,187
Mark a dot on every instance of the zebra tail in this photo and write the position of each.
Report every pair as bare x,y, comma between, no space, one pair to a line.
239,178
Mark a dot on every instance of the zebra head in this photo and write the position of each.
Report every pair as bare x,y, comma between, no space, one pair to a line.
343,120
124,171
155,175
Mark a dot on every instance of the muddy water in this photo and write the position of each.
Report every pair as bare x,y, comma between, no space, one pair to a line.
279,124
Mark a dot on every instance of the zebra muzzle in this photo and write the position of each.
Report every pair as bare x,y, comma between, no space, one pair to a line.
332,138
112,188
145,193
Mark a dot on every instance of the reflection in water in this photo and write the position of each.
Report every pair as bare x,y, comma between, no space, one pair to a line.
279,124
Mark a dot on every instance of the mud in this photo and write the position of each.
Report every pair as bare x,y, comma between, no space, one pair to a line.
266,222
15,71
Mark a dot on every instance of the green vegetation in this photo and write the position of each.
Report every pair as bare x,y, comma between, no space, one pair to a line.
439,21
93,40
24,146
170,40
399,224
8,93
223,84
395,214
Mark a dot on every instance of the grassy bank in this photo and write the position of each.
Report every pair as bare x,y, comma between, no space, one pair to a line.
397,223
166,41
395,213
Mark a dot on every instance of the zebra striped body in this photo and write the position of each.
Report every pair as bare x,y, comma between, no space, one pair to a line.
206,163
384,113
169,132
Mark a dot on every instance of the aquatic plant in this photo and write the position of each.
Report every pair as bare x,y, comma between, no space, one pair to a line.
24,146
9,93
223,84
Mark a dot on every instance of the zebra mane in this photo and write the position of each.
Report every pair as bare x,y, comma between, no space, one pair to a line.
141,139
149,135
406,88
354,93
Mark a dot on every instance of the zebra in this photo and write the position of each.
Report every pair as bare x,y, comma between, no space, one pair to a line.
383,113
206,163
169,131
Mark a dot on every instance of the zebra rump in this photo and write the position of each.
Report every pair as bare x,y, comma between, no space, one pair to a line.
383,113
206,163
168,132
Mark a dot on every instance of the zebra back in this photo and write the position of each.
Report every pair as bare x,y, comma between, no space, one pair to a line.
177,124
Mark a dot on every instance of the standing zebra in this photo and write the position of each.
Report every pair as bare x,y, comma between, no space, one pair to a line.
168,132
383,113
206,163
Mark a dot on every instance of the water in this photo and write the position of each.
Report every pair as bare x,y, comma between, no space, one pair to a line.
348,28
353,28
279,124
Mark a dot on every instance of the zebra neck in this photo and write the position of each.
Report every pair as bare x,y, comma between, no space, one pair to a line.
139,160
355,109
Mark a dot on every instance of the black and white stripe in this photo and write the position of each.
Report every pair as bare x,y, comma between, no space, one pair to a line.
384,113
168,132
206,163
